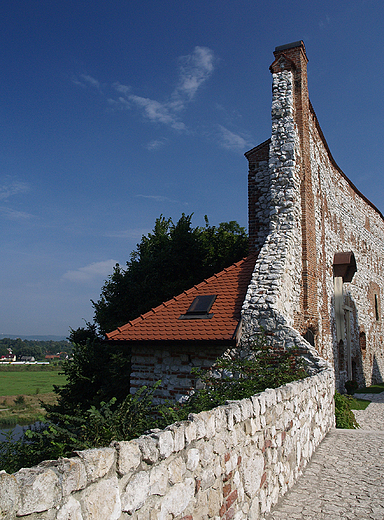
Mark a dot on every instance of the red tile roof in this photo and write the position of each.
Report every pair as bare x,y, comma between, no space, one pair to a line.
163,323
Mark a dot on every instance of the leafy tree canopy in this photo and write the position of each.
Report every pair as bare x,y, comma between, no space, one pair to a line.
171,259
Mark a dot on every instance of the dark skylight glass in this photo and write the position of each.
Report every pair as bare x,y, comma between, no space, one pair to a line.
200,307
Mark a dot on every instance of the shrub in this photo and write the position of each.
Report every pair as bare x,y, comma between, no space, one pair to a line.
343,413
351,387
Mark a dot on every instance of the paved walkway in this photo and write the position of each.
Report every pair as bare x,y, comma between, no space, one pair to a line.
345,478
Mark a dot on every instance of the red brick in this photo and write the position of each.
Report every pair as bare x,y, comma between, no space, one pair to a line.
231,499
226,490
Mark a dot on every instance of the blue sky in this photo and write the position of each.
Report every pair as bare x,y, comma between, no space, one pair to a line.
113,113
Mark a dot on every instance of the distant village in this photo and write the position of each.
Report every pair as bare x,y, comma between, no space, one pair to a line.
19,352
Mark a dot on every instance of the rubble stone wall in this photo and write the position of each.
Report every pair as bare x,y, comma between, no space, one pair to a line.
234,461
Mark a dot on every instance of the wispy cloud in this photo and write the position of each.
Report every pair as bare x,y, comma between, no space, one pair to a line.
128,233
90,272
194,70
325,22
158,112
232,141
159,198
85,80
12,188
156,144
12,214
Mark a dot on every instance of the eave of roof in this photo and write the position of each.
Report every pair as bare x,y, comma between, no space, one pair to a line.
162,323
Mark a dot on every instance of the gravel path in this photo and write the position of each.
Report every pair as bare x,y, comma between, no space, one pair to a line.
345,478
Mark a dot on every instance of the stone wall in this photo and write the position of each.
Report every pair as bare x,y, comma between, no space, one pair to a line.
231,462
172,364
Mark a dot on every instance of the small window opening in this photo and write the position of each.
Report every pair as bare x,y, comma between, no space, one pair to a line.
310,337
377,307
200,307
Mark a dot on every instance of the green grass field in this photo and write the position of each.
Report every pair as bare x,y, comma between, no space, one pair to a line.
26,382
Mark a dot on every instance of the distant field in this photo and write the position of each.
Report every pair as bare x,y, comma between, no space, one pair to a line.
29,382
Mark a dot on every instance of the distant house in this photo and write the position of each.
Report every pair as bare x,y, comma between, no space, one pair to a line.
27,359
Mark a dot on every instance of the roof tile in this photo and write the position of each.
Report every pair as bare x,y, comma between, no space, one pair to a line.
162,322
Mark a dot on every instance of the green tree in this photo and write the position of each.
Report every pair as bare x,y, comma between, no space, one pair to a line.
95,373
171,259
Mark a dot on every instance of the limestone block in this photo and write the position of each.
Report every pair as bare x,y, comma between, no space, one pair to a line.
214,502
148,448
230,462
190,432
193,457
136,492
165,443
158,480
256,405
9,494
73,475
246,409
128,456
199,420
210,424
39,488
97,462
220,418
252,469
207,479
101,500
219,446
177,499
178,430
70,510
176,470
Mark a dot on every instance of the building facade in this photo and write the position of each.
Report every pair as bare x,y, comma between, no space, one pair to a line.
321,239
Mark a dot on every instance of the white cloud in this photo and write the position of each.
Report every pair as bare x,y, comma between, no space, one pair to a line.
156,144
195,69
129,233
85,80
12,188
12,214
158,112
90,272
124,89
230,140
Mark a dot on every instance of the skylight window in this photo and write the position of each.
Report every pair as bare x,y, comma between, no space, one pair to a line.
199,308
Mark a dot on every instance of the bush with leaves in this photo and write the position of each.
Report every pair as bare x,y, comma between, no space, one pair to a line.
96,427
343,413
240,374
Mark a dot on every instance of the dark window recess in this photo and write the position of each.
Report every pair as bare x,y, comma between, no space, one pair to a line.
199,308
310,337
377,307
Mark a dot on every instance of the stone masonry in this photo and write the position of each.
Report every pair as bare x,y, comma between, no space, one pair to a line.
231,462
